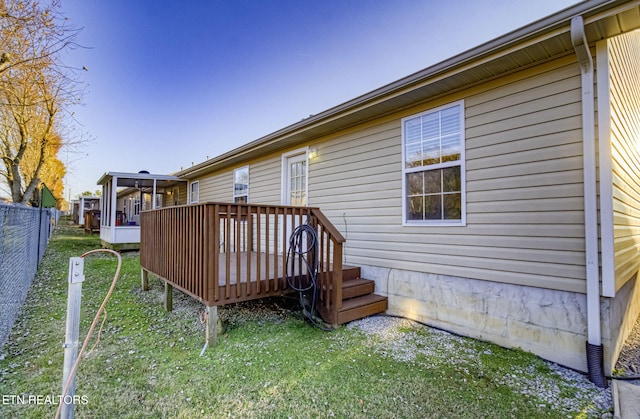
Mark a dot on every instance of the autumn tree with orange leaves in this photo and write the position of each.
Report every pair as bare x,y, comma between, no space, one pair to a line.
36,92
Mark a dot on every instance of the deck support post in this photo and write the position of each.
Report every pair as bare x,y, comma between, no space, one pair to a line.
144,276
211,326
168,296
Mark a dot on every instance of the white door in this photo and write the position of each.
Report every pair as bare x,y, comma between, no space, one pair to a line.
294,189
294,179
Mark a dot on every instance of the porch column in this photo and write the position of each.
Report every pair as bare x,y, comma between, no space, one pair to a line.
153,195
112,208
104,205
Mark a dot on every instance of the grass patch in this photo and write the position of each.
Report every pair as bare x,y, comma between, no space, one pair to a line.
269,363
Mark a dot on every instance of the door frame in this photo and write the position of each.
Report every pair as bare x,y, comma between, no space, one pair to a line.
300,152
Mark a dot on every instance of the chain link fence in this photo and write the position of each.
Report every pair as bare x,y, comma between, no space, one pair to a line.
24,234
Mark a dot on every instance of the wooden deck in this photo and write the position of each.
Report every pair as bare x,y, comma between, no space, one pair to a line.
249,275
221,253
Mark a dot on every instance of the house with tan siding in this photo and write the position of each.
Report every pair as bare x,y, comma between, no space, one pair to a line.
495,194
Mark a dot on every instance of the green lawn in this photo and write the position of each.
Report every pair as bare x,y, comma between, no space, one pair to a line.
269,363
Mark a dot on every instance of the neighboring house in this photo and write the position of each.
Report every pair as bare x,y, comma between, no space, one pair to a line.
125,196
82,205
484,194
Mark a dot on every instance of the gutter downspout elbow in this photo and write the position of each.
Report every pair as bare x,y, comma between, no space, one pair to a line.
594,337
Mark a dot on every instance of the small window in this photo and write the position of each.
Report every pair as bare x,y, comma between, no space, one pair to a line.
433,167
194,192
241,185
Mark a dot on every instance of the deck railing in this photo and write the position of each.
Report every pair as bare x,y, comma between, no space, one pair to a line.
221,253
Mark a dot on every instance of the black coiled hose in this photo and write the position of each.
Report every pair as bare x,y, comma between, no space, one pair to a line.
303,246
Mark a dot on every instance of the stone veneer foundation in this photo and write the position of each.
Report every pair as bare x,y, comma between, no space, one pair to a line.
551,324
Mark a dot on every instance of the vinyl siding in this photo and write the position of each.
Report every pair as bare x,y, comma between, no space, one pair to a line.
524,186
624,79
180,197
265,181
217,188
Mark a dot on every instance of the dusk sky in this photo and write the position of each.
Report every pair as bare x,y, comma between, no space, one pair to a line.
174,82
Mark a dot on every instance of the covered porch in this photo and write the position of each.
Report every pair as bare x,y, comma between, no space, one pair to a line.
125,196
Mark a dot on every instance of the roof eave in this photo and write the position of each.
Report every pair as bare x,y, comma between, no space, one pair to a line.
109,175
546,28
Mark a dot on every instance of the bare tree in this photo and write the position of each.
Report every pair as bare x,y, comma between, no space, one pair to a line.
36,92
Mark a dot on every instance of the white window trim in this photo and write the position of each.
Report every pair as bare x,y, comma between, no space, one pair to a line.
191,200
234,183
463,183
284,170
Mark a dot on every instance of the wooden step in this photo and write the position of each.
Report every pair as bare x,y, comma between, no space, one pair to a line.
360,307
350,272
357,287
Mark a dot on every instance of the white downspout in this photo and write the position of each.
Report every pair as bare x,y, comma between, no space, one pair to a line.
594,336
153,202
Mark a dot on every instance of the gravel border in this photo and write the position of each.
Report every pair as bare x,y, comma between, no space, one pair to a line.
404,339
628,364
390,335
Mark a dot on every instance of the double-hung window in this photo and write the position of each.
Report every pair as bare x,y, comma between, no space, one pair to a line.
194,192
433,167
241,185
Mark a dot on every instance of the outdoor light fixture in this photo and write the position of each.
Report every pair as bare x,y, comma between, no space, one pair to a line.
313,153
